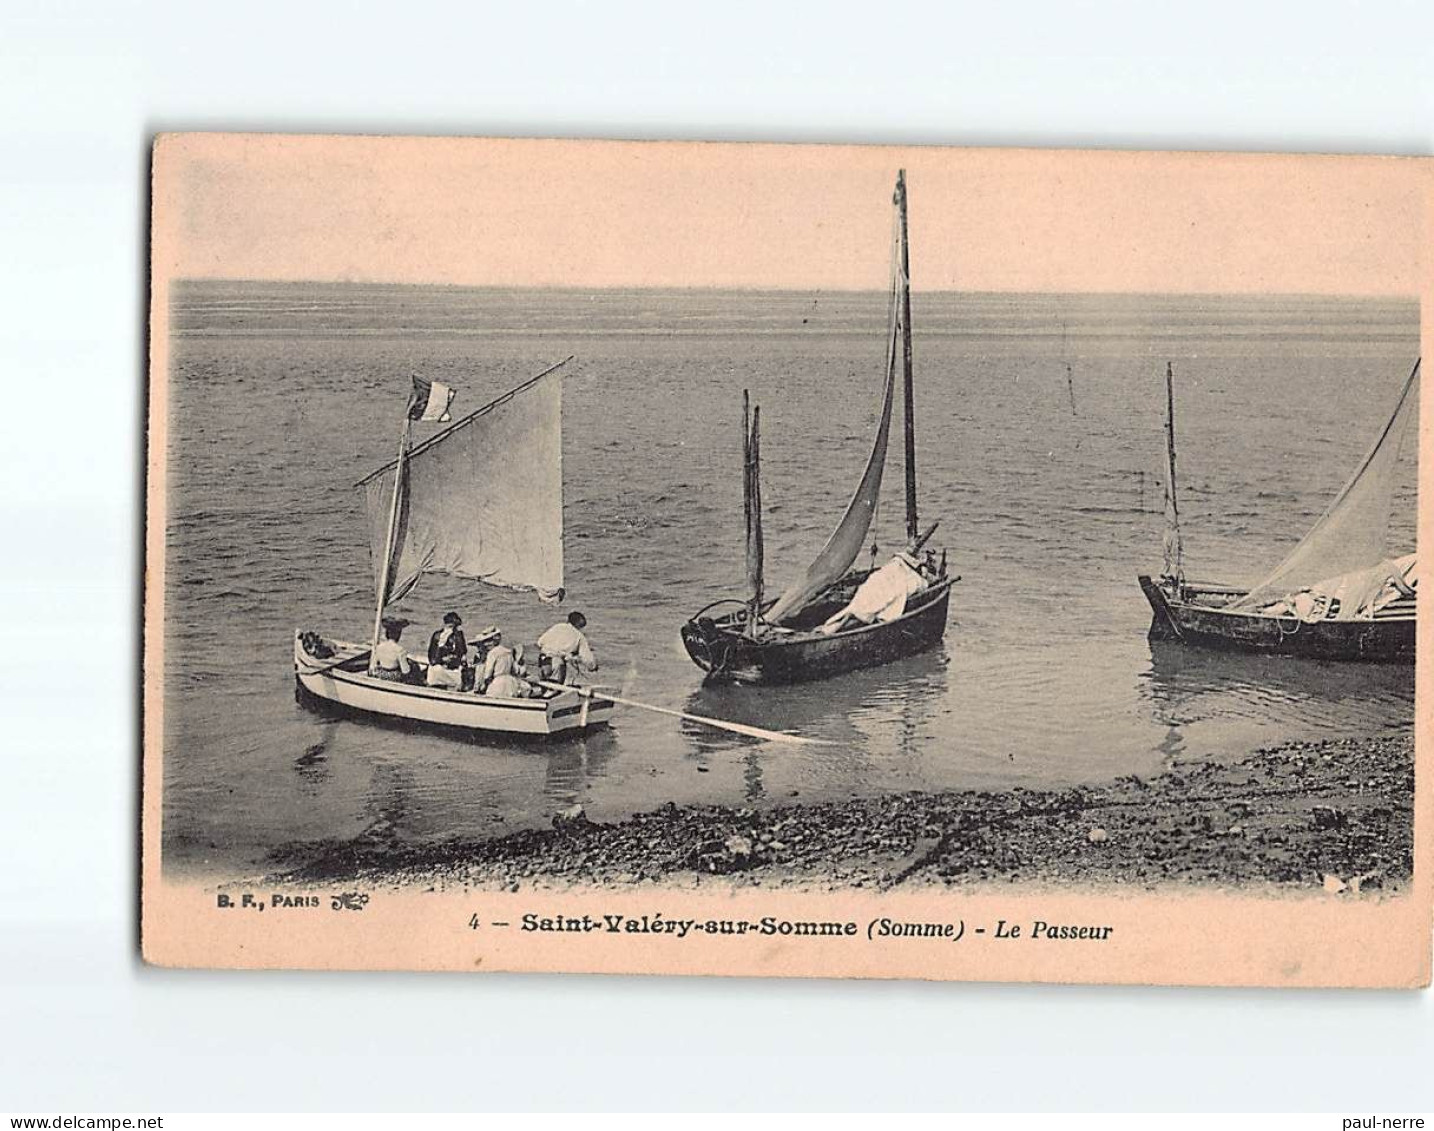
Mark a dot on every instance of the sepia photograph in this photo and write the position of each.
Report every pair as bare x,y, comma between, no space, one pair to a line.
804,558
784,559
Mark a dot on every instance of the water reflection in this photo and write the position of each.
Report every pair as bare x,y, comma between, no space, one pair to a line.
389,805
573,763
882,708
752,777
312,766
1184,685
1171,747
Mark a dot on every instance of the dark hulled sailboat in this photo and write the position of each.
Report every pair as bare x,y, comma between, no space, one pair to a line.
1338,595
790,638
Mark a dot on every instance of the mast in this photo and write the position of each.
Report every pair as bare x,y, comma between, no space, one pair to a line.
398,472
1070,373
1174,552
908,404
752,507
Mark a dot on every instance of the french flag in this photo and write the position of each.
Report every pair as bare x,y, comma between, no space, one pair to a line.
430,401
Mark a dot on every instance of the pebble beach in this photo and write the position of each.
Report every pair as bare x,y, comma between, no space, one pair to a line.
1334,815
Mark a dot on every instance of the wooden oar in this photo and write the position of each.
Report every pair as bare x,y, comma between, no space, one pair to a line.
721,724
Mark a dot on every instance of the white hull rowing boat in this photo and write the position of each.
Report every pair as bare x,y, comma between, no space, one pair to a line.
343,679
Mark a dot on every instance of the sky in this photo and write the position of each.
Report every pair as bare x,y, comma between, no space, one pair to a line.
662,214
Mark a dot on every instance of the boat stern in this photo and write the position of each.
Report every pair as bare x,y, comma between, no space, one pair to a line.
578,709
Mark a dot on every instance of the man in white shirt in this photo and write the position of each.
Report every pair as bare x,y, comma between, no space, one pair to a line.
565,651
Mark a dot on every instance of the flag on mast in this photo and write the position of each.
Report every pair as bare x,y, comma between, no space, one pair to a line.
430,401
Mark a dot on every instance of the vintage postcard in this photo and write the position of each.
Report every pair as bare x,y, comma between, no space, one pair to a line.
787,560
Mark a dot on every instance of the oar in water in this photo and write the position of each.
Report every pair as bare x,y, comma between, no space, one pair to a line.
721,724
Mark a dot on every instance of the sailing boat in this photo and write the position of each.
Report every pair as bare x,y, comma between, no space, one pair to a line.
802,634
1337,596
461,503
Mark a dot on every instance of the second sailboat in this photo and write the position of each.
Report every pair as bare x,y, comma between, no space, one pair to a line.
834,618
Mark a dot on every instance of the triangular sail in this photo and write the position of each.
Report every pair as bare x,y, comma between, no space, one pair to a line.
1353,533
481,500
396,585
846,540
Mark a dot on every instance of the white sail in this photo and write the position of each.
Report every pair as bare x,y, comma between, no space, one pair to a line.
481,500
1353,534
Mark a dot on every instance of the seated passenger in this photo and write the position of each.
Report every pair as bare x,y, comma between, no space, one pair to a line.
448,674
448,641
882,596
447,651
389,660
500,656
481,644
505,682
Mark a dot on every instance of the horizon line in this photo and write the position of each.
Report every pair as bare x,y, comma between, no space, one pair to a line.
793,289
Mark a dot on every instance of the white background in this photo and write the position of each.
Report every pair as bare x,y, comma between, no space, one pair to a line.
82,87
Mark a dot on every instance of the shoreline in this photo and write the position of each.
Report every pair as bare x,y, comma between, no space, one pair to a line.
1331,815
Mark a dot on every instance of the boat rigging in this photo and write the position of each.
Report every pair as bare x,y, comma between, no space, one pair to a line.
833,618
1338,595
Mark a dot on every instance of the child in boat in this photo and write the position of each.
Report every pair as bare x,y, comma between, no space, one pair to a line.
390,661
882,596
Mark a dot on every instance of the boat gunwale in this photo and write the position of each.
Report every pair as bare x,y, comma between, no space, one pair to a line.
443,694
1279,619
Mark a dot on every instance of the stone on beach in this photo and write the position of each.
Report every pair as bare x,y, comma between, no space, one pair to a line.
573,815
1252,823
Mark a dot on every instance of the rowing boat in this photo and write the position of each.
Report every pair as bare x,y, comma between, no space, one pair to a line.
480,500
342,680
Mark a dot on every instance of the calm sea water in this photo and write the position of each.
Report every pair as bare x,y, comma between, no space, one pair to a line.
1047,488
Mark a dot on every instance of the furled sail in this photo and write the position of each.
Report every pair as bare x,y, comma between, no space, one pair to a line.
846,540
1353,533
481,500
